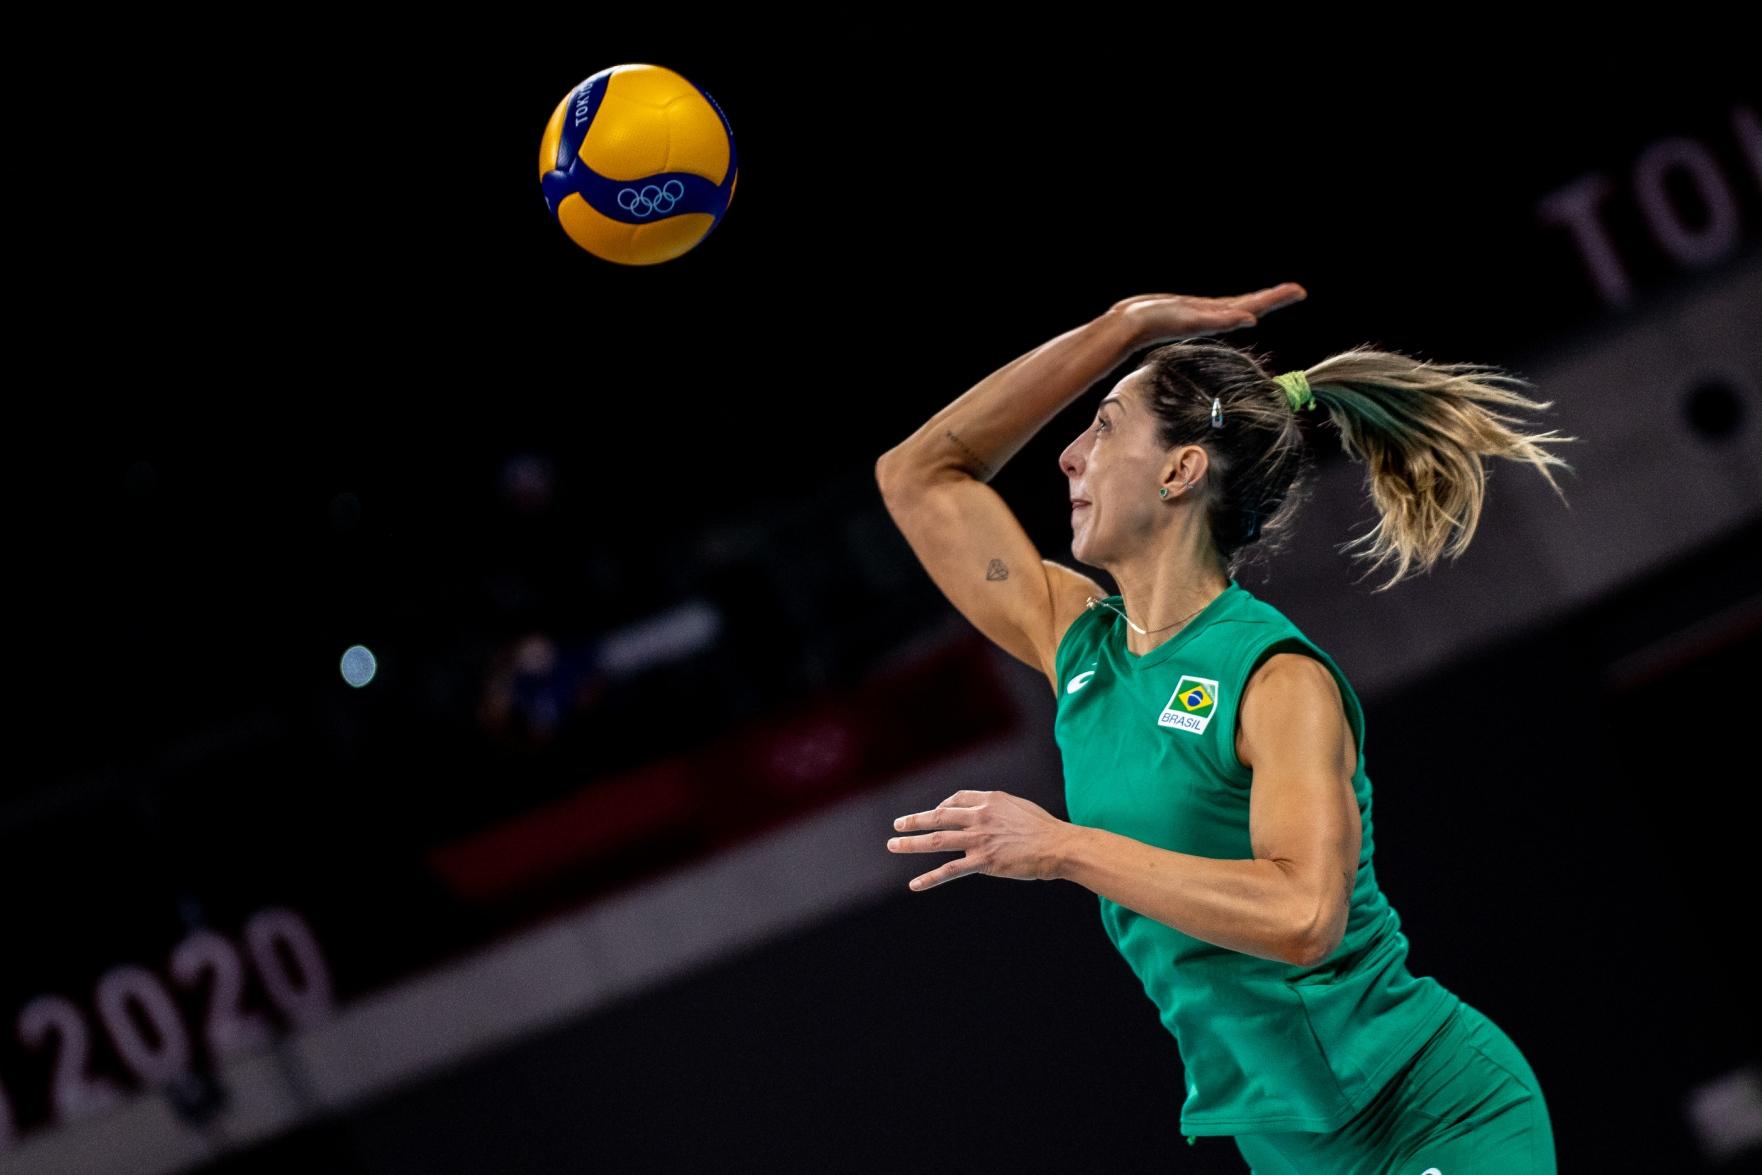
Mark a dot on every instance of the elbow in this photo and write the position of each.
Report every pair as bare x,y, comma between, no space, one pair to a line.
881,471
1308,952
1316,939
888,472
899,477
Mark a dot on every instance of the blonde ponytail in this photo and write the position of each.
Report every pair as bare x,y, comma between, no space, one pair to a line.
1422,429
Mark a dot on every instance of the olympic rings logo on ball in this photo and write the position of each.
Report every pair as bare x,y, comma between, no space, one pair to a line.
651,199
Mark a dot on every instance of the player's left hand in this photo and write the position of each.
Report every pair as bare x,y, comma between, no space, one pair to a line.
1002,835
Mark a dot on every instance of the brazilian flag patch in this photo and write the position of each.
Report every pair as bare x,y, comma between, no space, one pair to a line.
1192,706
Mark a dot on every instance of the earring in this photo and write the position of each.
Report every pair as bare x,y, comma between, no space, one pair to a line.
1163,492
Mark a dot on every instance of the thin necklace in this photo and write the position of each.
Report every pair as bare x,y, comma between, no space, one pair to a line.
1141,632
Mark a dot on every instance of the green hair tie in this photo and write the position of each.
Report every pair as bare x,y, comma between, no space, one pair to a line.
1296,385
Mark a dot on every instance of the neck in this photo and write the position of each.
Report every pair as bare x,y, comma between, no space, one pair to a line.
1165,597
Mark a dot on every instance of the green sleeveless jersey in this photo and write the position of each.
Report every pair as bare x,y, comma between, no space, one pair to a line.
1149,748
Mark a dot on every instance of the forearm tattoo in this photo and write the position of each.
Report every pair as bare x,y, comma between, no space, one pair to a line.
997,570
979,467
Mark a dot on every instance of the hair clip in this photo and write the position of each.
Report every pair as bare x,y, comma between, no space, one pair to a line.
1217,412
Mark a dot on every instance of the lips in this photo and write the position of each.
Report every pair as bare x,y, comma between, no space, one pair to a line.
1075,502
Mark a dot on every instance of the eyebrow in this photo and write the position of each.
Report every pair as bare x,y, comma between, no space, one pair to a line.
1120,400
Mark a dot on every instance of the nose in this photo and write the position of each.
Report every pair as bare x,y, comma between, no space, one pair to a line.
1068,460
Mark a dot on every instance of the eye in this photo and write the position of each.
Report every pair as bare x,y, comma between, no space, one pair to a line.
1100,424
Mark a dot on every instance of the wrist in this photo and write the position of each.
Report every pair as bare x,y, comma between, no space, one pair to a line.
1068,850
1116,322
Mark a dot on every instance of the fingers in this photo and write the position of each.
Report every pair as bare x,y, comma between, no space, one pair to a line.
936,877
935,842
945,823
946,816
931,842
940,841
1273,297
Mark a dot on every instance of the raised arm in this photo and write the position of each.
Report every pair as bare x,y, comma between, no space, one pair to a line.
962,531
934,482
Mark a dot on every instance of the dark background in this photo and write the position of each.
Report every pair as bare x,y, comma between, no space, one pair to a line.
293,323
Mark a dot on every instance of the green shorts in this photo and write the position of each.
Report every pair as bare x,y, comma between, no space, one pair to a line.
1468,1102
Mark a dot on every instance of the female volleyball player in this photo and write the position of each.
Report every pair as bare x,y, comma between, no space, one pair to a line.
1213,754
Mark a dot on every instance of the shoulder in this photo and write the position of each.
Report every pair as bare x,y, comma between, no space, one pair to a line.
1267,635
1291,695
1289,673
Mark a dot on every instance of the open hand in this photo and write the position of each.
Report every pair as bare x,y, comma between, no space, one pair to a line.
1003,835
1161,318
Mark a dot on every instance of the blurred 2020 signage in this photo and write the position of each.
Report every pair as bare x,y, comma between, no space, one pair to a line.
76,1055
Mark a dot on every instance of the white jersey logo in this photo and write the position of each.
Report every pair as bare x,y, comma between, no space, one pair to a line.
1079,681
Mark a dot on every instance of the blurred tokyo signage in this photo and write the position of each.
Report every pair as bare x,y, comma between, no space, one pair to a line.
1685,192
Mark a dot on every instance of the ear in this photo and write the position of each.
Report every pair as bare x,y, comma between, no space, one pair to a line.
1188,463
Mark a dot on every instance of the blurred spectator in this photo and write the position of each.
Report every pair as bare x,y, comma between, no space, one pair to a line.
532,685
